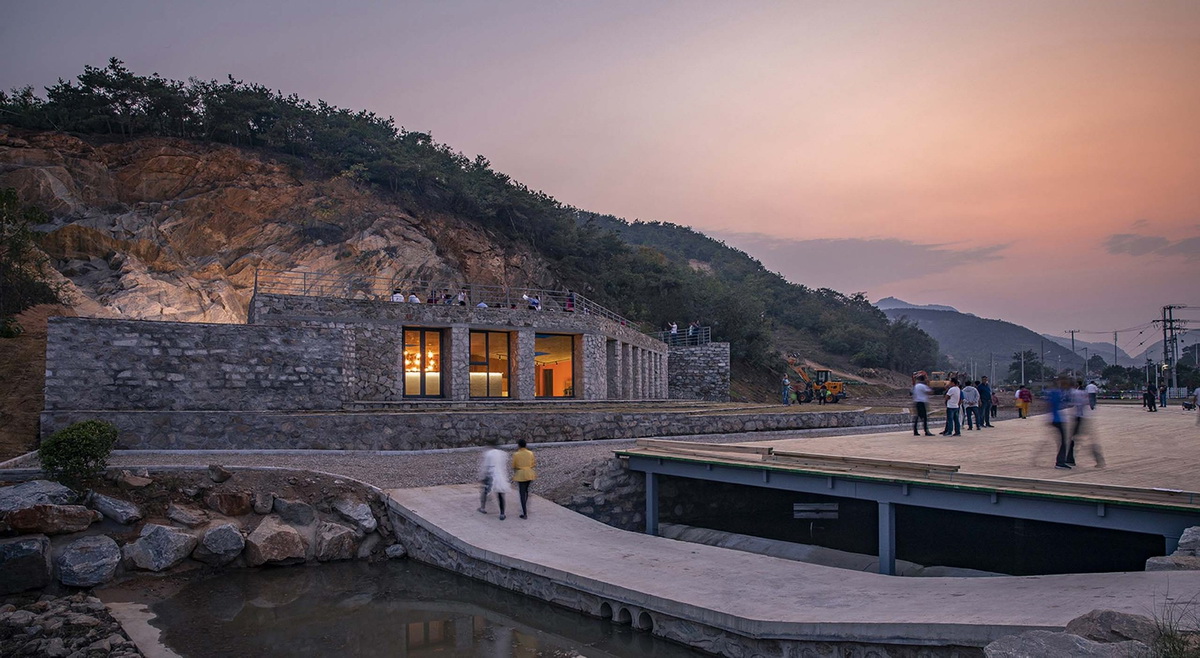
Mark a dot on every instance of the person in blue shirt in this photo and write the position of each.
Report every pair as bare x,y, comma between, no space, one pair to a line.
1059,400
985,403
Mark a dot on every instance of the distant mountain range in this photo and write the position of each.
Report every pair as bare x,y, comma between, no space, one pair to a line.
889,303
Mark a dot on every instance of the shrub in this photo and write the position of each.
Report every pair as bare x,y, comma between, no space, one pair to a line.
9,328
79,451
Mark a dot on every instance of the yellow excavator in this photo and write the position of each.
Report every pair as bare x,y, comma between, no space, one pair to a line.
807,387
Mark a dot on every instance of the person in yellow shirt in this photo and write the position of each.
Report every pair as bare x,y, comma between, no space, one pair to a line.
523,462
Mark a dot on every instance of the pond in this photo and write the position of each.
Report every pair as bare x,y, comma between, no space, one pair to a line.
398,608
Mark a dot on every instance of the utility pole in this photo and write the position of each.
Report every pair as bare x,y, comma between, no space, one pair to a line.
992,366
1073,352
1085,363
1114,348
1171,341
1042,374
1022,382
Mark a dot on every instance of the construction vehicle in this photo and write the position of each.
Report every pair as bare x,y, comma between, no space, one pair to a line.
938,380
807,387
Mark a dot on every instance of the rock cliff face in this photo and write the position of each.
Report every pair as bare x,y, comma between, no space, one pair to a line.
174,230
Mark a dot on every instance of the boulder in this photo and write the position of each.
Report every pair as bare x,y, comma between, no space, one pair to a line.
36,492
218,473
1189,543
274,542
264,502
1173,563
187,516
121,511
334,542
295,511
229,503
220,545
1113,626
52,519
159,547
24,563
356,512
89,561
130,481
1048,643
395,551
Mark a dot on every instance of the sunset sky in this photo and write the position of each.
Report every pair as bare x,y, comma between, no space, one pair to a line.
1037,161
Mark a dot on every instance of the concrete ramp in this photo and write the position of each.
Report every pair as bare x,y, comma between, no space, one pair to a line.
726,601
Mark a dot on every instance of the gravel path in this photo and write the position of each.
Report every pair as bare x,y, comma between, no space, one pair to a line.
562,467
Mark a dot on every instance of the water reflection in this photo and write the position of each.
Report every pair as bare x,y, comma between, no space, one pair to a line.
391,609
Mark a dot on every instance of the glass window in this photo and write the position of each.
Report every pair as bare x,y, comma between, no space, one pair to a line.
489,364
553,366
422,363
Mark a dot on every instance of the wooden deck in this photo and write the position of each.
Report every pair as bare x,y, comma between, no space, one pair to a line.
1150,458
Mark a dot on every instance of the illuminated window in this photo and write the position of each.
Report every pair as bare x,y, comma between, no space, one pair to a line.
422,363
553,366
489,364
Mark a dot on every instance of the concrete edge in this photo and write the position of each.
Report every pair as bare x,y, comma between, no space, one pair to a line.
911,634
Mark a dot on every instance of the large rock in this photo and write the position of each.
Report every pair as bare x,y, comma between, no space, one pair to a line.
159,547
229,503
356,512
37,492
121,511
52,519
295,511
220,545
1036,644
1173,563
187,516
1113,626
274,542
24,563
218,473
1189,543
264,502
89,561
334,542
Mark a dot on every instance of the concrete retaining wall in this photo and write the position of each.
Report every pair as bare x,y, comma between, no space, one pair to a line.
345,430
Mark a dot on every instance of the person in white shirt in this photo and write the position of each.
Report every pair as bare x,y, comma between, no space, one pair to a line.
397,295
953,400
1083,403
493,474
970,403
413,299
921,393
1092,390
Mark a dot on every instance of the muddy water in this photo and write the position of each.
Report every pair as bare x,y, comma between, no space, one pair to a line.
388,609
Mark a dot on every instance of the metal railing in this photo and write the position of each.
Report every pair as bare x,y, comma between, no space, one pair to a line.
428,291
685,337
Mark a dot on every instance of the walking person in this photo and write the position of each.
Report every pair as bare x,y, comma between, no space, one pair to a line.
953,398
1081,433
986,403
523,462
1059,400
921,393
785,386
970,403
493,475
1092,390
1148,398
1024,399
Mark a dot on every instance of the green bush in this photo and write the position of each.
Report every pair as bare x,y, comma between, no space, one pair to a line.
79,451
9,328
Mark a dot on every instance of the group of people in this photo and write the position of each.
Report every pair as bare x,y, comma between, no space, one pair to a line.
434,297
673,336
975,404
494,471
790,395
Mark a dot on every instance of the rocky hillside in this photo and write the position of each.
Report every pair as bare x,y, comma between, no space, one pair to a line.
171,229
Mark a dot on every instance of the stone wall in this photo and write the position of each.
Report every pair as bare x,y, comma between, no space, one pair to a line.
137,365
417,430
699,372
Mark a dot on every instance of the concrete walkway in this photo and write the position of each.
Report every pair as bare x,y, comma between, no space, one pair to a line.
764,597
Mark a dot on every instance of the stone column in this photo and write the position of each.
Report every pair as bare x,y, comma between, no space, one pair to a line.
612,349
651,503
635,373
521,348
626,371
456,364
645,387
592,367
887,539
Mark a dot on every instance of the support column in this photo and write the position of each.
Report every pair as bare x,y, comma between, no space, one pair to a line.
521,364
635,373
651,504
626,371
592,370
887,539
612,351
459,368
645,375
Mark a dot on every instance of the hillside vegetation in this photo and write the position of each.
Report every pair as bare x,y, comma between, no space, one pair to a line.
653,273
